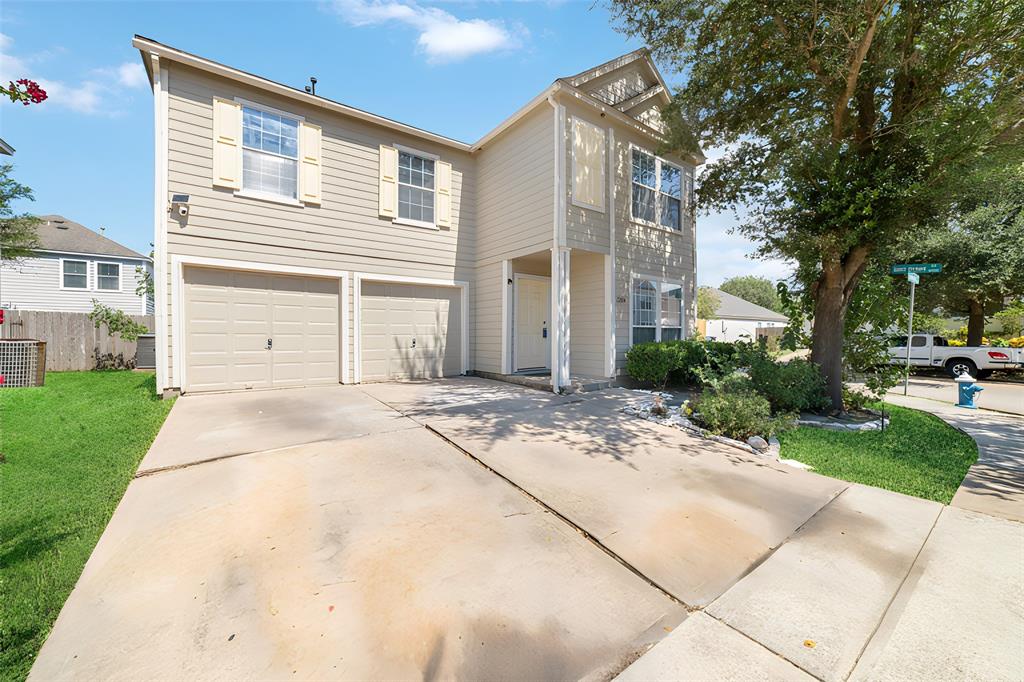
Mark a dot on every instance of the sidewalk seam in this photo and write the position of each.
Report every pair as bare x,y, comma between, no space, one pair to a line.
763,646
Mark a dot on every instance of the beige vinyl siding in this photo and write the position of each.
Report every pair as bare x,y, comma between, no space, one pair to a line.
485,330
515,182
585,228
587,314
644,249
343,233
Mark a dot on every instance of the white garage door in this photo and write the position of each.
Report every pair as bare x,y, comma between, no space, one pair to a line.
259,330
410,331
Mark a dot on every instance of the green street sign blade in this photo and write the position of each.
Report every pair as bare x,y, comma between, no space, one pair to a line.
920,268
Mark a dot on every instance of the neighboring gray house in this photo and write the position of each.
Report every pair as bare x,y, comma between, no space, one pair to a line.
740,320
301,241
74,266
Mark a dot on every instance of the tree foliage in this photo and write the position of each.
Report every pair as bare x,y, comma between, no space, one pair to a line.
707,303
18,236
116,321
981,248
756,290
845,122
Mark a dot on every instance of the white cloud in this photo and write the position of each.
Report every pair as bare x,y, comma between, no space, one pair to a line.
443,37
132,75
97,94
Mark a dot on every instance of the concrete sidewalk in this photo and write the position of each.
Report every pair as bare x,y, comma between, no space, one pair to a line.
998,396
995,484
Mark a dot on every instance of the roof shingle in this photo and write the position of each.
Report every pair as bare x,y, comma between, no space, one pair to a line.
57,233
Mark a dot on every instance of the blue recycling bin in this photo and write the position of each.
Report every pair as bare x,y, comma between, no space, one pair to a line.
966,390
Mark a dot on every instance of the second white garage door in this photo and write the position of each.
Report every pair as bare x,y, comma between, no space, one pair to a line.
410,331
259,330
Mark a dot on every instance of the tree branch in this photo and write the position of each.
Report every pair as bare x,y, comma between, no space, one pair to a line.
842,103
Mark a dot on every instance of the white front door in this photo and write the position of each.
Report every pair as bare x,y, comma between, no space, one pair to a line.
533,333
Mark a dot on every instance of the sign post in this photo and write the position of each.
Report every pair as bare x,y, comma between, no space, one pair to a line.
913,271
913,278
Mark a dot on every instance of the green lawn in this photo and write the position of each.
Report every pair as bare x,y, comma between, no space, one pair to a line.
918,454
70,448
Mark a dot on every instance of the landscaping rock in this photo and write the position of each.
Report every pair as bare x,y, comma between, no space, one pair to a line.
758,443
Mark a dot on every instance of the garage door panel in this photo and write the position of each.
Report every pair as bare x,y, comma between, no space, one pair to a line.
392,316
231,314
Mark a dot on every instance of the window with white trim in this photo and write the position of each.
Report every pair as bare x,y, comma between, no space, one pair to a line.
415,188
270,153
75,274
657,312
108,276
645,310
671,311
658,191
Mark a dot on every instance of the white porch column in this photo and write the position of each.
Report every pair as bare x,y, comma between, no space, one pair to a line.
560,375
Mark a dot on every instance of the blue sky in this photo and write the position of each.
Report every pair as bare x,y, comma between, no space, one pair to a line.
87,151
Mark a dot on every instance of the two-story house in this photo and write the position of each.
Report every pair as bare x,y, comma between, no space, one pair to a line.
301,241
73,267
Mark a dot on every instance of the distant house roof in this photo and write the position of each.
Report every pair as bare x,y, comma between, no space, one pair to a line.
6,148
735,308
57,233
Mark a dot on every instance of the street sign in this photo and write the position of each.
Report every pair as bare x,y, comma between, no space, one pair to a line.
913,278
926,268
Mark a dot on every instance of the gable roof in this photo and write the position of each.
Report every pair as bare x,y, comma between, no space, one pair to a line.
148,46
57,233
735,308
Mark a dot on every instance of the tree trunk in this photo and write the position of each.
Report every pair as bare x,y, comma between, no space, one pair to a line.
827,334
975,322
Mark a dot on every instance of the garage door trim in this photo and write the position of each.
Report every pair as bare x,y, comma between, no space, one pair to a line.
361,277
177,377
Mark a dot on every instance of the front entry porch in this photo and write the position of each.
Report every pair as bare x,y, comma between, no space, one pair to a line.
557,321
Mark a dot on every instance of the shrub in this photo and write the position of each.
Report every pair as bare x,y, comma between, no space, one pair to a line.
701,361
794,386
652,362
739,414
1016,342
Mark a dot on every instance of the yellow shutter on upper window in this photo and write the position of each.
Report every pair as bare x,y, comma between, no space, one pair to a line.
227,143
588,163
444,194
388,196
312,166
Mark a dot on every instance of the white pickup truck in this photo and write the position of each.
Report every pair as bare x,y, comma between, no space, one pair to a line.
928,350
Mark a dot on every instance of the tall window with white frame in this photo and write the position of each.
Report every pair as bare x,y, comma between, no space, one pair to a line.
645,310
657,195
75,274
415,188
270,154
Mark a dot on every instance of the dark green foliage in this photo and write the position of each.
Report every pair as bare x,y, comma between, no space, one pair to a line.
18,237
794,386
756,290
739,413
652,362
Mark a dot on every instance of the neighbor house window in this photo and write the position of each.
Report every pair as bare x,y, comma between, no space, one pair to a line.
415,188
108,276
75,274
657,311
657,191
671,311
270,153
645,310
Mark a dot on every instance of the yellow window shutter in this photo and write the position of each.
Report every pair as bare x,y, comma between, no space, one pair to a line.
444,194
227,143
311,163
588,163
388,197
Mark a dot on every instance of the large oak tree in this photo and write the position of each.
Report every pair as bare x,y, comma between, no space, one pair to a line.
845,122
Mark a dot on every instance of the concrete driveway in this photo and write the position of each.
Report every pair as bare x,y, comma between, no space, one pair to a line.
477,530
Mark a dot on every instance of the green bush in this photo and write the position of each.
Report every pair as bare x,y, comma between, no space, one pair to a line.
652,362
739,414
702,361
794,386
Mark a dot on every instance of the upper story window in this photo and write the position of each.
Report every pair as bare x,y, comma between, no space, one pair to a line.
270,153
658,191
415,188
75,274
108,276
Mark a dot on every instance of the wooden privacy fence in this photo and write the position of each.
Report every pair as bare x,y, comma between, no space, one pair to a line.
72,341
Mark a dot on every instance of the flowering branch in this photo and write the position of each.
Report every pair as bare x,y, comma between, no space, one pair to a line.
24,91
